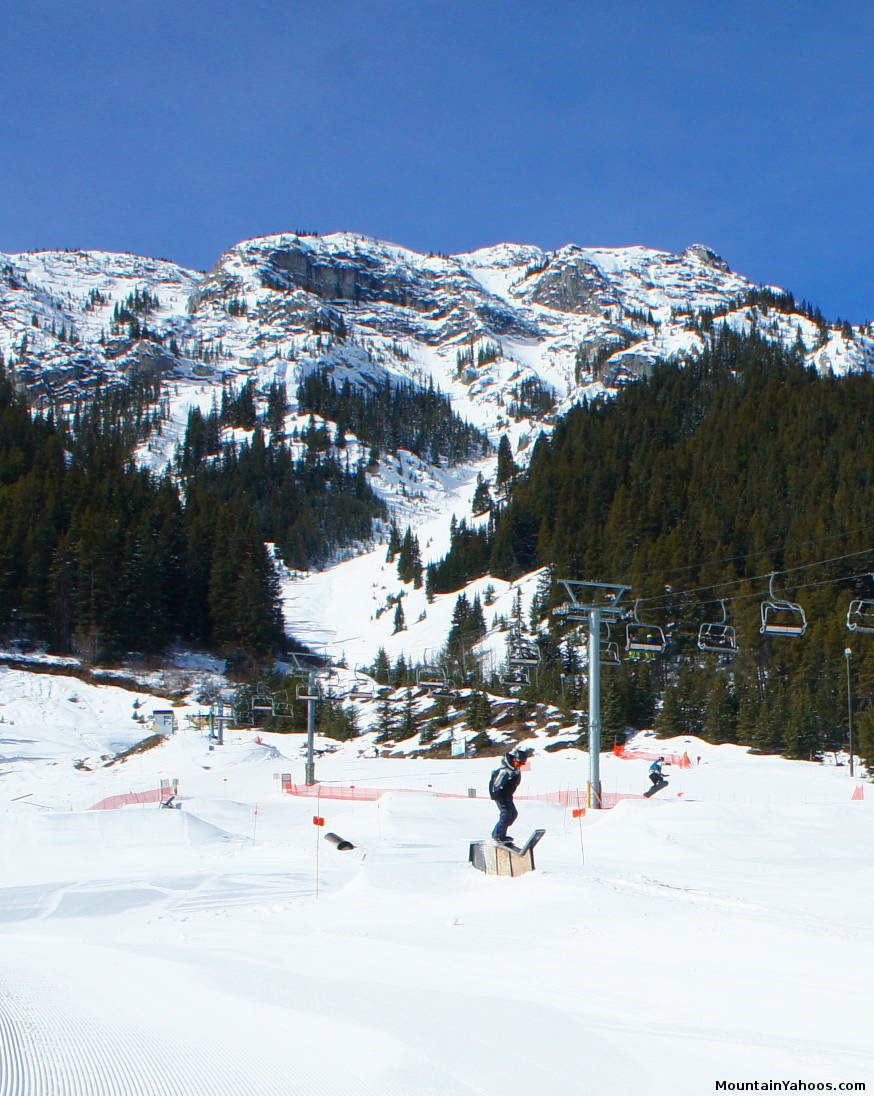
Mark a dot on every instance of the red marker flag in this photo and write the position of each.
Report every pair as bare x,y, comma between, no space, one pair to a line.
318,820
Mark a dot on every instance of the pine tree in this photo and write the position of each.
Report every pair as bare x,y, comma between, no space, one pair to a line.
381,668
669,721
720,717
394,542
400,674
482,497
479,711
385,720
407,727
507,467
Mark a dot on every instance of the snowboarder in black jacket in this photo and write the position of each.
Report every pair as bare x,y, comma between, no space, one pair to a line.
503,783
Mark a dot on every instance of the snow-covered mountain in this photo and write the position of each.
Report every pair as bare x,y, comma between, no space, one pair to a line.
512,333
478,324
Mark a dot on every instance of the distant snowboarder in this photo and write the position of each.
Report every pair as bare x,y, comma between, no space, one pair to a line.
657,777
503,783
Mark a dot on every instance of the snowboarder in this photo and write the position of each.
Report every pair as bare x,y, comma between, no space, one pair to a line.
657,777
503,783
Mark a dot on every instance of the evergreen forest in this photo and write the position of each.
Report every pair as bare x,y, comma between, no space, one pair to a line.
308,505
693,487
102,558
391,416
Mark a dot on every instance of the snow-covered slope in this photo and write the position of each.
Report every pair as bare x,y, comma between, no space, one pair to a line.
483,327
720,933
572,318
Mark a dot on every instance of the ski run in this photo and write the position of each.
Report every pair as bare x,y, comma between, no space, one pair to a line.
716,937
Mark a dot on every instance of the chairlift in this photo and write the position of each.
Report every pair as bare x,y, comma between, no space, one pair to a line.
608,647
781,617
431,677
309,690
262,701
281,704
573,682
718,637
523,652
242,713
860,616
362,687
330,683
643,639
515,676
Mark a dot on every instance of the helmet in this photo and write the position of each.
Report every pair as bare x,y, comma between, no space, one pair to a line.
518,756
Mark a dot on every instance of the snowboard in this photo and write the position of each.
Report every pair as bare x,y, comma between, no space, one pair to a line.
342,844
656,788
527,847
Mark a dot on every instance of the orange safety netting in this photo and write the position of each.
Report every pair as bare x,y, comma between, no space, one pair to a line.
569,797
153,795
682,760
352,792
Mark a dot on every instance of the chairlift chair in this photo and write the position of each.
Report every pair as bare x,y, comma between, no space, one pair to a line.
309,690
860,616
431,677
262,701
718,637
523,652
574,681
608,648
643,640
362,687
781,617
242,714
515,676
281,704
329,682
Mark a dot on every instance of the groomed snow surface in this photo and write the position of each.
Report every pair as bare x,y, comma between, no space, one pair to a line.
718,932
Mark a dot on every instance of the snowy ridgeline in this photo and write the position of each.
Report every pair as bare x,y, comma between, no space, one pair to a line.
480,326
719,932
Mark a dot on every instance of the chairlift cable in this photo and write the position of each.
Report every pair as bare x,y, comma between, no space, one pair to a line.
768,551
758,596
756,578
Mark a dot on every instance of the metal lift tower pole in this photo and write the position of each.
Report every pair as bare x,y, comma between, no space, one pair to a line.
593,602
310,772
593,796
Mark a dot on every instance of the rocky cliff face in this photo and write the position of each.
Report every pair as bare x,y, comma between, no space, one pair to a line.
575,321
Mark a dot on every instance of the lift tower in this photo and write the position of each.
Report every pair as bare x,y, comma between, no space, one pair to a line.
593,602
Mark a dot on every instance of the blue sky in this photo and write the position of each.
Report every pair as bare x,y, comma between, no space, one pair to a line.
175,129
